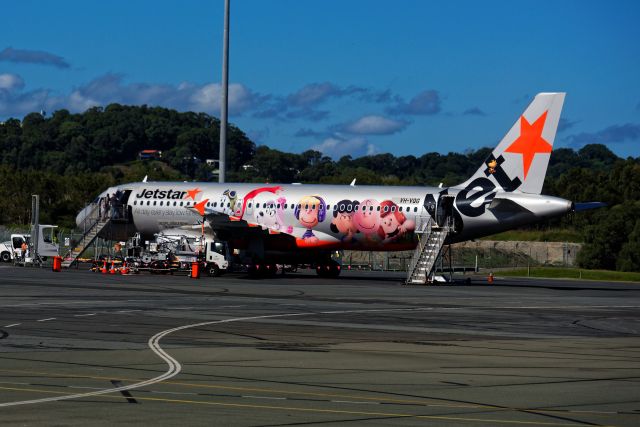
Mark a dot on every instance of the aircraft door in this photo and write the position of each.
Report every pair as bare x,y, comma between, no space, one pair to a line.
125,210
444,210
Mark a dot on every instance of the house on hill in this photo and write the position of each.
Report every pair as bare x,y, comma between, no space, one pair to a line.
150,155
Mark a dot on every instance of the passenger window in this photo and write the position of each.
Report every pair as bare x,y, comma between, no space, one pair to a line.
415,209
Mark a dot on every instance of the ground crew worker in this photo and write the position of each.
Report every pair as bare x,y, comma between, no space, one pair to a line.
25,248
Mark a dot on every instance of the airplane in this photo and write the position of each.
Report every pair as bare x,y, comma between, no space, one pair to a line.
306,223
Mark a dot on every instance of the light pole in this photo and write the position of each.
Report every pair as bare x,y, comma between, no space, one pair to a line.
225,94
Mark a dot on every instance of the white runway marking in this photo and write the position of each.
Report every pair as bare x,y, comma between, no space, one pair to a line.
46,320
174,365
12,325
84,315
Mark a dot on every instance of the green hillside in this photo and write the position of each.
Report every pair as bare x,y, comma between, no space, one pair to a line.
69,158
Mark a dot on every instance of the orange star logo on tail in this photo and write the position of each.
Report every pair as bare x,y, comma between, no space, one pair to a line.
192,193
530,141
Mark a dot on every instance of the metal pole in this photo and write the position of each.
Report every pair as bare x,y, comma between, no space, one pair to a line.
225,94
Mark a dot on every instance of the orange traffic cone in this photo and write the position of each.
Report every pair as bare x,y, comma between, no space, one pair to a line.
124,269
103,270
112,270
490,278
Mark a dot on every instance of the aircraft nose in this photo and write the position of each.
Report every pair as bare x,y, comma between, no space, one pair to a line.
82,215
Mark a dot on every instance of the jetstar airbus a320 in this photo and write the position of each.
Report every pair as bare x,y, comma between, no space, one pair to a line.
295,224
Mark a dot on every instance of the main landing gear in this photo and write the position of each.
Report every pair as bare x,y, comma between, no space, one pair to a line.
330,269
263,270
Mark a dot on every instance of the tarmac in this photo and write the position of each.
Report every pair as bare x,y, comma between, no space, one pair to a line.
82,348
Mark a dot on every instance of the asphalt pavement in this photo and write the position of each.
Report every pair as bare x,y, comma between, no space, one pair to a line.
82,348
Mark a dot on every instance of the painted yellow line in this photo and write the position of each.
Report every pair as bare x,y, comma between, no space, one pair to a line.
331,395
268,390
322,411
343,396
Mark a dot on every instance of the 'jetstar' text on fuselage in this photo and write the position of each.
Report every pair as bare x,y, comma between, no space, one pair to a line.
160,194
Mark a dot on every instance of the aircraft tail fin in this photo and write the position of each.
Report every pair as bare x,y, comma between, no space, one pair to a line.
520,160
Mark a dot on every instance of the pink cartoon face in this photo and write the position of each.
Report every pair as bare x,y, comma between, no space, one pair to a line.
367,217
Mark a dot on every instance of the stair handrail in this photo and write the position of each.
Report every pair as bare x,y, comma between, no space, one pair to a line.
90,220
441,236
423,231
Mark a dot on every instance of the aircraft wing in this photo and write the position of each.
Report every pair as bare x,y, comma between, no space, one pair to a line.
229,225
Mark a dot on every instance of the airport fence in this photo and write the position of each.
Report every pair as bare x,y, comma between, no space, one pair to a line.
470,258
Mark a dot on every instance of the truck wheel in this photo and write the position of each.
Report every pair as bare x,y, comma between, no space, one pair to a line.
213,270
5,256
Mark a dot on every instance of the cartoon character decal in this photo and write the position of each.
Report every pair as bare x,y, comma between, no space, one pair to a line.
367,219
270,214
232,196
252,195
310,211
354,223
227,201
342,221
394,224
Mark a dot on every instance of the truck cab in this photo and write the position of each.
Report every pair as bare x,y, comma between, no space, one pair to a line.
216,257
45,244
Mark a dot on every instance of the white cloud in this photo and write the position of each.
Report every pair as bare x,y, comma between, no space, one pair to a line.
374,125
111,88
11,81
336,147
241,98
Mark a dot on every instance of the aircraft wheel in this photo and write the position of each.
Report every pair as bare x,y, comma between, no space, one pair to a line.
334,269
255,270
269,270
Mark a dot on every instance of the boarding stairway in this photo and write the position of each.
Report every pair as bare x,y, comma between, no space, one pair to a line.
92,225
431,239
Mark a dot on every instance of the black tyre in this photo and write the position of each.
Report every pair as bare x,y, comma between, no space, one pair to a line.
5,256
213,270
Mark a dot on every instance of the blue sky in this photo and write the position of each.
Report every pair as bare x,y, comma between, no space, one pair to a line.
345,77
